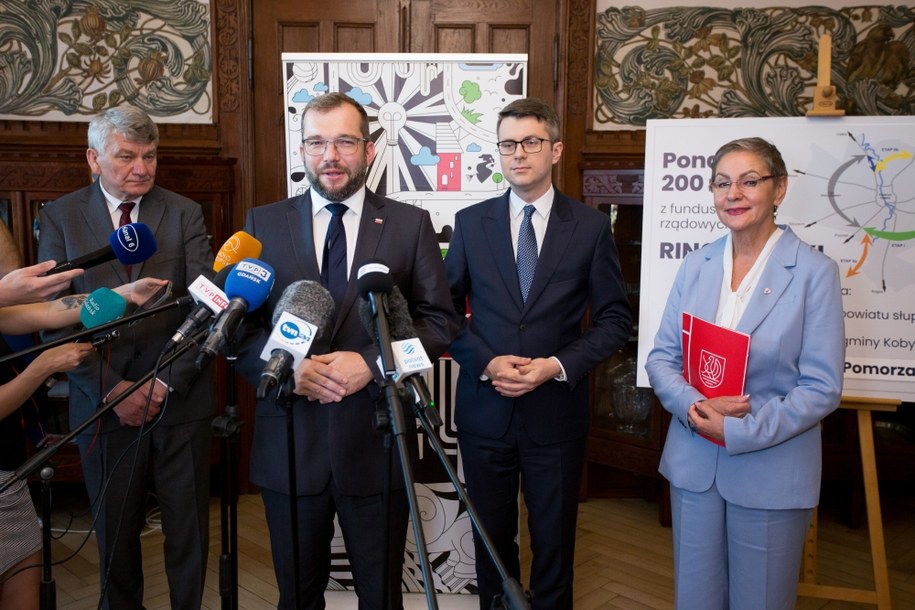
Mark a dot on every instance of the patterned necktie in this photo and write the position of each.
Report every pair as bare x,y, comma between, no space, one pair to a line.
527,252
333,268
126,208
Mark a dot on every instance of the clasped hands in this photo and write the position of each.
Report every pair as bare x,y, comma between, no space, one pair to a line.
707,416
513,376
328,378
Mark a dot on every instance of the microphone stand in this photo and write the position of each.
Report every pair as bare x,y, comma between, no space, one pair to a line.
48,594
513,597
284,400
398,427
226,427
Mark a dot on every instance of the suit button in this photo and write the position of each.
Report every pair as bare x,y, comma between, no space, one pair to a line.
522,327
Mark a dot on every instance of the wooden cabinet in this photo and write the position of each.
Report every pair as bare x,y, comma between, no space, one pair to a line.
628,425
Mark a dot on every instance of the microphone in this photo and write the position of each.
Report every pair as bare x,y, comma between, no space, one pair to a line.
374,282
210,299
131,244
240,245
410,358
103,305
247,287
302,313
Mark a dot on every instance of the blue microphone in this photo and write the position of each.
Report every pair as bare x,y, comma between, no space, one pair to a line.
131,244
247,288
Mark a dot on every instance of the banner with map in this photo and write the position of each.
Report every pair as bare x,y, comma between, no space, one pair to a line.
851,194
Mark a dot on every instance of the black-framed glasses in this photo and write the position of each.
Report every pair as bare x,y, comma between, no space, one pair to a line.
744,184
345,145
528,145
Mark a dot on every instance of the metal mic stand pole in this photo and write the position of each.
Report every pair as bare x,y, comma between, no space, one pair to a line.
284,400
398,426
513,597
48,591
227,427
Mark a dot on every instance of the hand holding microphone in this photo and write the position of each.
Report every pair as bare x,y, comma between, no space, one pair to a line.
303,313
33,285
131,244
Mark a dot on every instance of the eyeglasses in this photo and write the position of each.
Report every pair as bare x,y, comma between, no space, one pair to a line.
344,146
528,145
744,184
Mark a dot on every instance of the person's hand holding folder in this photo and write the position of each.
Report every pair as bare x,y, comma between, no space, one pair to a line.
715,363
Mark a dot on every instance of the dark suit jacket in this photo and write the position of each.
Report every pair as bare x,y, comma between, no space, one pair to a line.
578,266
79,223
338,438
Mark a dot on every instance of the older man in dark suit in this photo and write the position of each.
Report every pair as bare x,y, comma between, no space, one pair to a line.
176,425
529,263
340,457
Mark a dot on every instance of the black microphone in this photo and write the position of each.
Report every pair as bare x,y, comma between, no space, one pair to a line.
247,287
410,357
374,283
210,299
131,244
303,314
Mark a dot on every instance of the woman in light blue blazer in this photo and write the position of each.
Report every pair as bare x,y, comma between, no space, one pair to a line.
744,471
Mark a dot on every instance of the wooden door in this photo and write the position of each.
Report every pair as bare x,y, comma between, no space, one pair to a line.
385,26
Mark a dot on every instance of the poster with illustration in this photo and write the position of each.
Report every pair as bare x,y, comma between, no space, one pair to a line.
432,118
433,121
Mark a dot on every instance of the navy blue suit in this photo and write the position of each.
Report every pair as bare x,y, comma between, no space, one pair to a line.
336,444
540,435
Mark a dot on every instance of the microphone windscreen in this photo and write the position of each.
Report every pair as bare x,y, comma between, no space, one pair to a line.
133,243
240,246
307,300
103,305
374,276
400,322
251,280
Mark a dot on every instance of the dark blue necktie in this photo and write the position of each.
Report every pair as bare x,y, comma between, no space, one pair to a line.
527,252
333,268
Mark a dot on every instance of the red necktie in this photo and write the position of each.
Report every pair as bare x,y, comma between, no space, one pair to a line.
126,208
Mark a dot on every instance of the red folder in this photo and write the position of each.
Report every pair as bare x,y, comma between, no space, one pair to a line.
714,358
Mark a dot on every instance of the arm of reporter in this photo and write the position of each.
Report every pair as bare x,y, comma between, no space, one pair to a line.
59,359
30,285
63,312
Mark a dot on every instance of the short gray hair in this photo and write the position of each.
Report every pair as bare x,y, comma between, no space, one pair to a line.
128,121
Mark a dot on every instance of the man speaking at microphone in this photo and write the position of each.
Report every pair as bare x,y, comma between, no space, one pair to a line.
122,150
323,235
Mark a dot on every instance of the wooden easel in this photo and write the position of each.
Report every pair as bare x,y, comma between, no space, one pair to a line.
824,96
880,596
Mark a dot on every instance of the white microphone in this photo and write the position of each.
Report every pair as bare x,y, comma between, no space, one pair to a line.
303,313
211,301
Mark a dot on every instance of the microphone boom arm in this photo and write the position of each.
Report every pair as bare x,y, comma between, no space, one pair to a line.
91,332
47,452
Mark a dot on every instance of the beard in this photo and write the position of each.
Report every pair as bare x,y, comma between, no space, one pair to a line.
355,180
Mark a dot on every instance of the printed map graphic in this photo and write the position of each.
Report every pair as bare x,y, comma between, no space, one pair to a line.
867,202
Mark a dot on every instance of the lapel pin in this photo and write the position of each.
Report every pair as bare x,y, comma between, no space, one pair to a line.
767,291
378,221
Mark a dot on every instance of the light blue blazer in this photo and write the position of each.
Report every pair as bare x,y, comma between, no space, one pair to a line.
794,378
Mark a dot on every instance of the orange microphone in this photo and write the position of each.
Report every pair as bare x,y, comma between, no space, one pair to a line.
239,246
